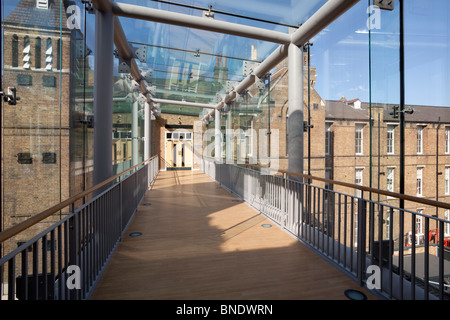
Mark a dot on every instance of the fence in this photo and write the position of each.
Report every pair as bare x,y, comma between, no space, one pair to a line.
360,236
65,261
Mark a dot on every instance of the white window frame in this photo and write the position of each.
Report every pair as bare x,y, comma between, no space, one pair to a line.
419,222
447,180
390,139
447,140
447,225
420,139
42,4
390,179
419,184
418,232
328,138
359,174
359,138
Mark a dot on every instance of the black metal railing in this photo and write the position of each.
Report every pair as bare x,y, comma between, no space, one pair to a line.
65,260
373,242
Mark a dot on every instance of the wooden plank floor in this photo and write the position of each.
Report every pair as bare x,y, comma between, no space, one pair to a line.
199,242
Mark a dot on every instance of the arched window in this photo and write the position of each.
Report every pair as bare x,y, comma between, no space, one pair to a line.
15,51
26,53
49,55
37,53
58,54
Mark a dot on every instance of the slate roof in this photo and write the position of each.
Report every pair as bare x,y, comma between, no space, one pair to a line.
26,14
343,110
340,110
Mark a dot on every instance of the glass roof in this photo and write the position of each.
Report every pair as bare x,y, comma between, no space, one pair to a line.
194,65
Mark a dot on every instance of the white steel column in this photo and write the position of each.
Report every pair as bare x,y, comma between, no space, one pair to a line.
134,133
147,132
217,136
228,135
295,120
103,95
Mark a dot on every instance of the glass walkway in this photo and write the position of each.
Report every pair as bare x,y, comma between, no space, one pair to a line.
191,239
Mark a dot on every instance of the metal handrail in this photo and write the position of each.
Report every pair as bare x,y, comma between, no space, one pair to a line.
399,196
8,233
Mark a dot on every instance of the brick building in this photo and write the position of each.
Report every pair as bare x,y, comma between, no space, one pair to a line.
42,144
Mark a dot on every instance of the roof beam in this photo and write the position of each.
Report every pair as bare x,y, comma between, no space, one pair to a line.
185,20
183,103
329,12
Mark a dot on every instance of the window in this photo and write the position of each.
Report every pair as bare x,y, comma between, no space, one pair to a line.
447,225
419,226
49,55
419,181
447,180
26,53
58,54
15,51
390,139
24,158
42,4
358,180
327,138
358,139
447,139
37,53
419,139
390,179
419,236
49,157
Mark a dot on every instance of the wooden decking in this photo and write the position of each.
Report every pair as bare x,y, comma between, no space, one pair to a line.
200,242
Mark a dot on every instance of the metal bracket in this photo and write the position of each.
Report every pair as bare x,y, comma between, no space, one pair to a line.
209,13
140,53
384,4
88,120
260,83
148,76
219,97
226,107
229,86
89,6
124,65
307,126
151,90
11,96
395,111
248,67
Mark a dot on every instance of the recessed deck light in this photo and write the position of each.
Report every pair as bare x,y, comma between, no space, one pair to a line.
266,225
135,234
355,295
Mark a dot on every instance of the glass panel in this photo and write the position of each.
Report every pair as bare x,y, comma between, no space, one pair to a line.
47,135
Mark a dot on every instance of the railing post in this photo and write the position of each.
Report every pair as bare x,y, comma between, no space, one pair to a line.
361,240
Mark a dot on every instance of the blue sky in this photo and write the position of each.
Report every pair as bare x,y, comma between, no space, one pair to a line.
341,55
340,52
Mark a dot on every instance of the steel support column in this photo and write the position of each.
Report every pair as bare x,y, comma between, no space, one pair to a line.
217,136
103,95
147,132
134,133
295,120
